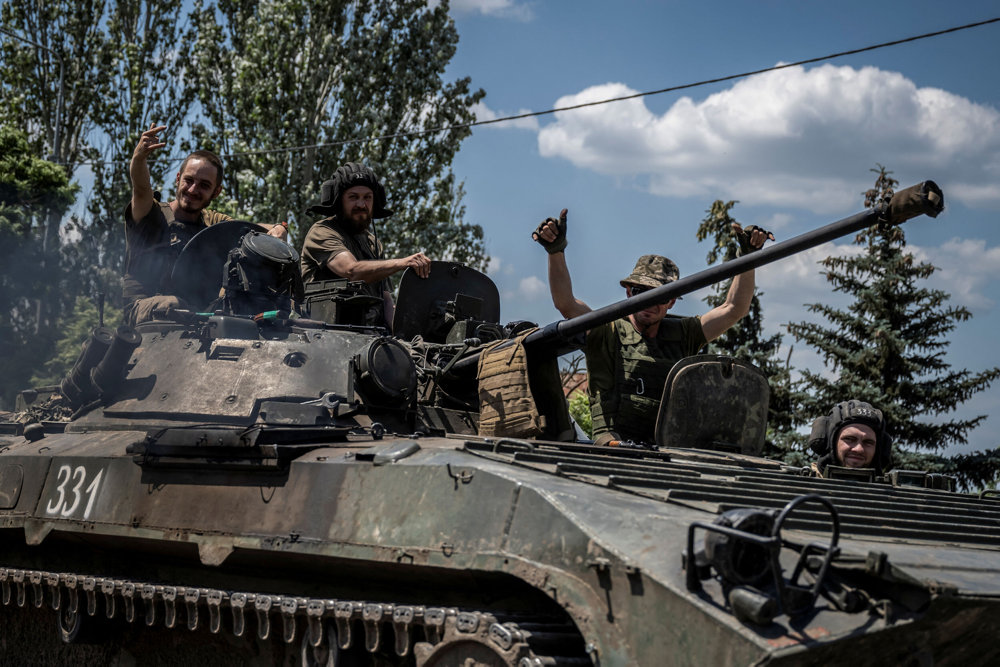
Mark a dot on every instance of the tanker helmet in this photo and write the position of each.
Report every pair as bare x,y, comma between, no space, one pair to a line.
346,177
826,430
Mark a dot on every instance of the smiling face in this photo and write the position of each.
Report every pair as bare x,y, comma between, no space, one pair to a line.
197,185
856,446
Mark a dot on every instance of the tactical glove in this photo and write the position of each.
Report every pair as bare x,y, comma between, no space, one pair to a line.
559,244
743,237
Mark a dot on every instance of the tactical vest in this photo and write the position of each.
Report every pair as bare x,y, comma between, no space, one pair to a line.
506,405
364,247
641,369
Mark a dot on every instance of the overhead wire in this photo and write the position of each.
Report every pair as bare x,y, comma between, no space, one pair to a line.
581,105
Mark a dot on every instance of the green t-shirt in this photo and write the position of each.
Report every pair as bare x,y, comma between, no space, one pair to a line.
626,373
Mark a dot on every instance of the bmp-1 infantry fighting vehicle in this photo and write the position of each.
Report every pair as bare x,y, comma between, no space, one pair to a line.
239,486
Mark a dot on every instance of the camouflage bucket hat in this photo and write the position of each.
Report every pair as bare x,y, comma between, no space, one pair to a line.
652,271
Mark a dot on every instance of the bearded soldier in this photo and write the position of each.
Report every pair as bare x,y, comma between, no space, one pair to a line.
342,245
628,360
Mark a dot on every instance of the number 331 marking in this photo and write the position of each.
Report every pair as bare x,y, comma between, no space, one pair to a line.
69,495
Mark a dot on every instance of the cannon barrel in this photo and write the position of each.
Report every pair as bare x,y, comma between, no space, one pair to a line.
558,337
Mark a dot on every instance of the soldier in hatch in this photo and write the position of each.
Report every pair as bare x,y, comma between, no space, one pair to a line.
156,232
342,245
853,435
628,360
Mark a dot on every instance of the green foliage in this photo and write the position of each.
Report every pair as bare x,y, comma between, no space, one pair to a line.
30,190
300,73
579,410
746,340
888,348
261,74
74,330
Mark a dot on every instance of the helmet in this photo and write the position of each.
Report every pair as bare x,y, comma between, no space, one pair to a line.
825,430
346,177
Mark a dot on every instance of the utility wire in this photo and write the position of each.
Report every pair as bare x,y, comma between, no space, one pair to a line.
535,114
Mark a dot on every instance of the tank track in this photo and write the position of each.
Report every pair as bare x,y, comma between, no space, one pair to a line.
419,635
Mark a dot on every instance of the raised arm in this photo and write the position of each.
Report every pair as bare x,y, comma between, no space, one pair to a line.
138,169
737,304
551,235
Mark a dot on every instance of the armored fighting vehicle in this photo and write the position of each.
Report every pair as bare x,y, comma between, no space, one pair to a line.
236,485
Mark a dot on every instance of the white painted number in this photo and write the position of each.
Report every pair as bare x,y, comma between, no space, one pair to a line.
66,506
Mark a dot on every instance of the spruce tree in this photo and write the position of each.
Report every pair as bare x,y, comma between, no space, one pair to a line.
746,340
888,348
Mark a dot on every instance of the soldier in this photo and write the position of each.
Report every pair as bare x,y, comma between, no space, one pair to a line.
853,435
156,232
342,245
628,360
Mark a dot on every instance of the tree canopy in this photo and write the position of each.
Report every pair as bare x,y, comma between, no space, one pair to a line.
284,90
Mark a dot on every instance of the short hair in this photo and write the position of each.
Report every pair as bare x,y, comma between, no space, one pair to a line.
209,157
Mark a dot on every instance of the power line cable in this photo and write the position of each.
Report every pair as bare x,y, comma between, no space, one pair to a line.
535,114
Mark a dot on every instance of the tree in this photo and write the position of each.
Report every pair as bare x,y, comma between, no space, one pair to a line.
746,340
29,189
287,73
51,84
79,79
147,73
888,348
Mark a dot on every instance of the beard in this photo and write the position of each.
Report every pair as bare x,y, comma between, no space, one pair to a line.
359,219
191,205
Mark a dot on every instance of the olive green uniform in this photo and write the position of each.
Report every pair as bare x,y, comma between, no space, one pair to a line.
330,237
152,245
626,373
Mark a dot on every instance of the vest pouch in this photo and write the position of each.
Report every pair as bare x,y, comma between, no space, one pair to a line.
518,398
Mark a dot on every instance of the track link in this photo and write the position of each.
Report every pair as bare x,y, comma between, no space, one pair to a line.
420,635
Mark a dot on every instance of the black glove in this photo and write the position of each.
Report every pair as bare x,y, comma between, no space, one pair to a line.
743,237
559,244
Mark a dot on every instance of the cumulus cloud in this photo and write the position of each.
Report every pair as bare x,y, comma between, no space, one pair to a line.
508,9
965,269
793,137
483,112
531,287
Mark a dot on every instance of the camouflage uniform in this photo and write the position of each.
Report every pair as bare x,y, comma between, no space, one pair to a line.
626,371
152,245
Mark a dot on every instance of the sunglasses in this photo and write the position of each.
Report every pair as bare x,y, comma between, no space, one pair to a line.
636,290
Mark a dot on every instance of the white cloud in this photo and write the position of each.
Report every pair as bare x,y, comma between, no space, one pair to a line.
483,112
532,287
966,267
494,266
793,137
508,9
529,293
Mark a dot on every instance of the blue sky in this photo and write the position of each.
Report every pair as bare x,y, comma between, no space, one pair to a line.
794,147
